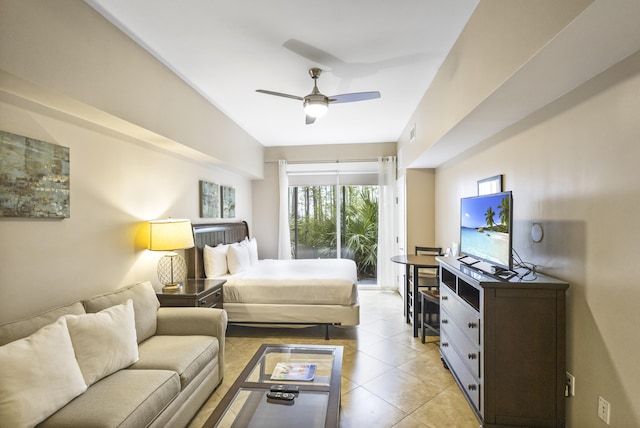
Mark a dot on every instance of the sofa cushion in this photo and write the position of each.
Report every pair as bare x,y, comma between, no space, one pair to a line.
127,398
23,328
104,342
38,375
186,355
145,305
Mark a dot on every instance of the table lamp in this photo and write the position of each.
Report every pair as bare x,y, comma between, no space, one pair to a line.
171,235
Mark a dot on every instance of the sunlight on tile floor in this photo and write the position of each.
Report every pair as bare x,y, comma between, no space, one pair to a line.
389,378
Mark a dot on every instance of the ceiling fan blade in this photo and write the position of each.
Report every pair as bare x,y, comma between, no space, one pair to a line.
280,94
309,120
355,96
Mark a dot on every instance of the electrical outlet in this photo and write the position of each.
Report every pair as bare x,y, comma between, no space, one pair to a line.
570,390
604,409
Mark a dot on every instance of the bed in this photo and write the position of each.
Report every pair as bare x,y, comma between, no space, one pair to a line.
277,292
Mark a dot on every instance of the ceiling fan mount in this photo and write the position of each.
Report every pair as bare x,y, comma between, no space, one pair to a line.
315,73
316,104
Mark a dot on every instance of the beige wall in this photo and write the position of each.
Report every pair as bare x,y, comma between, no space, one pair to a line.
140,140
501,37
420,209
573,167
116,186
266,207
481,61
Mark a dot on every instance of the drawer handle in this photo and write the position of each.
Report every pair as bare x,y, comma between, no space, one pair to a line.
472,356
202,302
472,387
445,321
472,325
445,345
445,297
218,293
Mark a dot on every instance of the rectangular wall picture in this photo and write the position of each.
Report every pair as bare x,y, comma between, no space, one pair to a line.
228,202
209,200
34,178
490,185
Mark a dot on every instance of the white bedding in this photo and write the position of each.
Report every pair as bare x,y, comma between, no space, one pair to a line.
300,281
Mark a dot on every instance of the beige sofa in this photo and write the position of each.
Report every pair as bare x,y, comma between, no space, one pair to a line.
115,360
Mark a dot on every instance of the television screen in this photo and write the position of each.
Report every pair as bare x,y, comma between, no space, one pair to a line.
485,228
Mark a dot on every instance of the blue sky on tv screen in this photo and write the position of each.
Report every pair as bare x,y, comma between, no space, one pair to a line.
473,210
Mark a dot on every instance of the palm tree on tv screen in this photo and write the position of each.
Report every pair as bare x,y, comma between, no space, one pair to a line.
504,211
488,216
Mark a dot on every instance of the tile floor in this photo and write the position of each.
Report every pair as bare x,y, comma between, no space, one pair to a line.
389,378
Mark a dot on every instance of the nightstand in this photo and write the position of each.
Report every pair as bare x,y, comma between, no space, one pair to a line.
206,293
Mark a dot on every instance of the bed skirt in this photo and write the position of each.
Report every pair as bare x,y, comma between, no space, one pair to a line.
311,314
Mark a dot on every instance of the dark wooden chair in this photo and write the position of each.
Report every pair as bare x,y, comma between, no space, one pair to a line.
429,294
429,312
428,277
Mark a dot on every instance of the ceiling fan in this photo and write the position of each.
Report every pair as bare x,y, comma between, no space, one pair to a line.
316,104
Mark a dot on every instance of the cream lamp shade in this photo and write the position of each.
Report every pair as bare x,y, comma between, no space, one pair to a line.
171,235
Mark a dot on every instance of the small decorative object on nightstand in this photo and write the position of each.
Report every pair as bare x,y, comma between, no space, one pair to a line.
205,293
170,235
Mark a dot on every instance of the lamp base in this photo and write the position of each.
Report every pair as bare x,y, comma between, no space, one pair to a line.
172,270
171,287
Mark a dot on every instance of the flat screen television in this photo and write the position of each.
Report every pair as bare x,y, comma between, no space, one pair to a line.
485,229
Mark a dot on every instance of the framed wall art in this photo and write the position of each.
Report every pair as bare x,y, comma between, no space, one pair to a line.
34,178
228,202
490,185
209,200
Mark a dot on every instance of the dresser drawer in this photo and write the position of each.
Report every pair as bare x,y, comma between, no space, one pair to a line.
469,352
468,383
467,319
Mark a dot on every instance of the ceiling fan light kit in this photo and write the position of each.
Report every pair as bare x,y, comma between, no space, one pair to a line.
316,108
316,104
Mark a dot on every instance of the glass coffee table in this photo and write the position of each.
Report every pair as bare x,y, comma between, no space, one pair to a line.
317,404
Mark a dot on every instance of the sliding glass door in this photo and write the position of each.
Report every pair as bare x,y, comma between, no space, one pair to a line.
331,221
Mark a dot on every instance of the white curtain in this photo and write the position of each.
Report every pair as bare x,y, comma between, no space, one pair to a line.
386,221
284,236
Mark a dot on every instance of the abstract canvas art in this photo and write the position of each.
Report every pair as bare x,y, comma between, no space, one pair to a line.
34,178
228,202
209,200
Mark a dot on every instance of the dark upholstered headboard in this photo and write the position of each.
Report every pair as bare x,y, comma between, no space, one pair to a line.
212,234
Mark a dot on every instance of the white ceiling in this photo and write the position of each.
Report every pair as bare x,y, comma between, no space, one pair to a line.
228,49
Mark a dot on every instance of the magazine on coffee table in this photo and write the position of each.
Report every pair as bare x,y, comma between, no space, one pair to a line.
294,371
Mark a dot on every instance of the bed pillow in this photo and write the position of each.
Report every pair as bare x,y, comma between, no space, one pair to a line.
215,260
104,342
38,376
238,258
252,246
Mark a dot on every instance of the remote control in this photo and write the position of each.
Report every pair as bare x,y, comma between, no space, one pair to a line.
294,389
280,396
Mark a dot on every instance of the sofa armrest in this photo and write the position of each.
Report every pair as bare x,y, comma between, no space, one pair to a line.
195,321
192,321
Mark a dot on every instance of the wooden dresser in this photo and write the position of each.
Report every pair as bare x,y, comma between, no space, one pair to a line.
504,342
